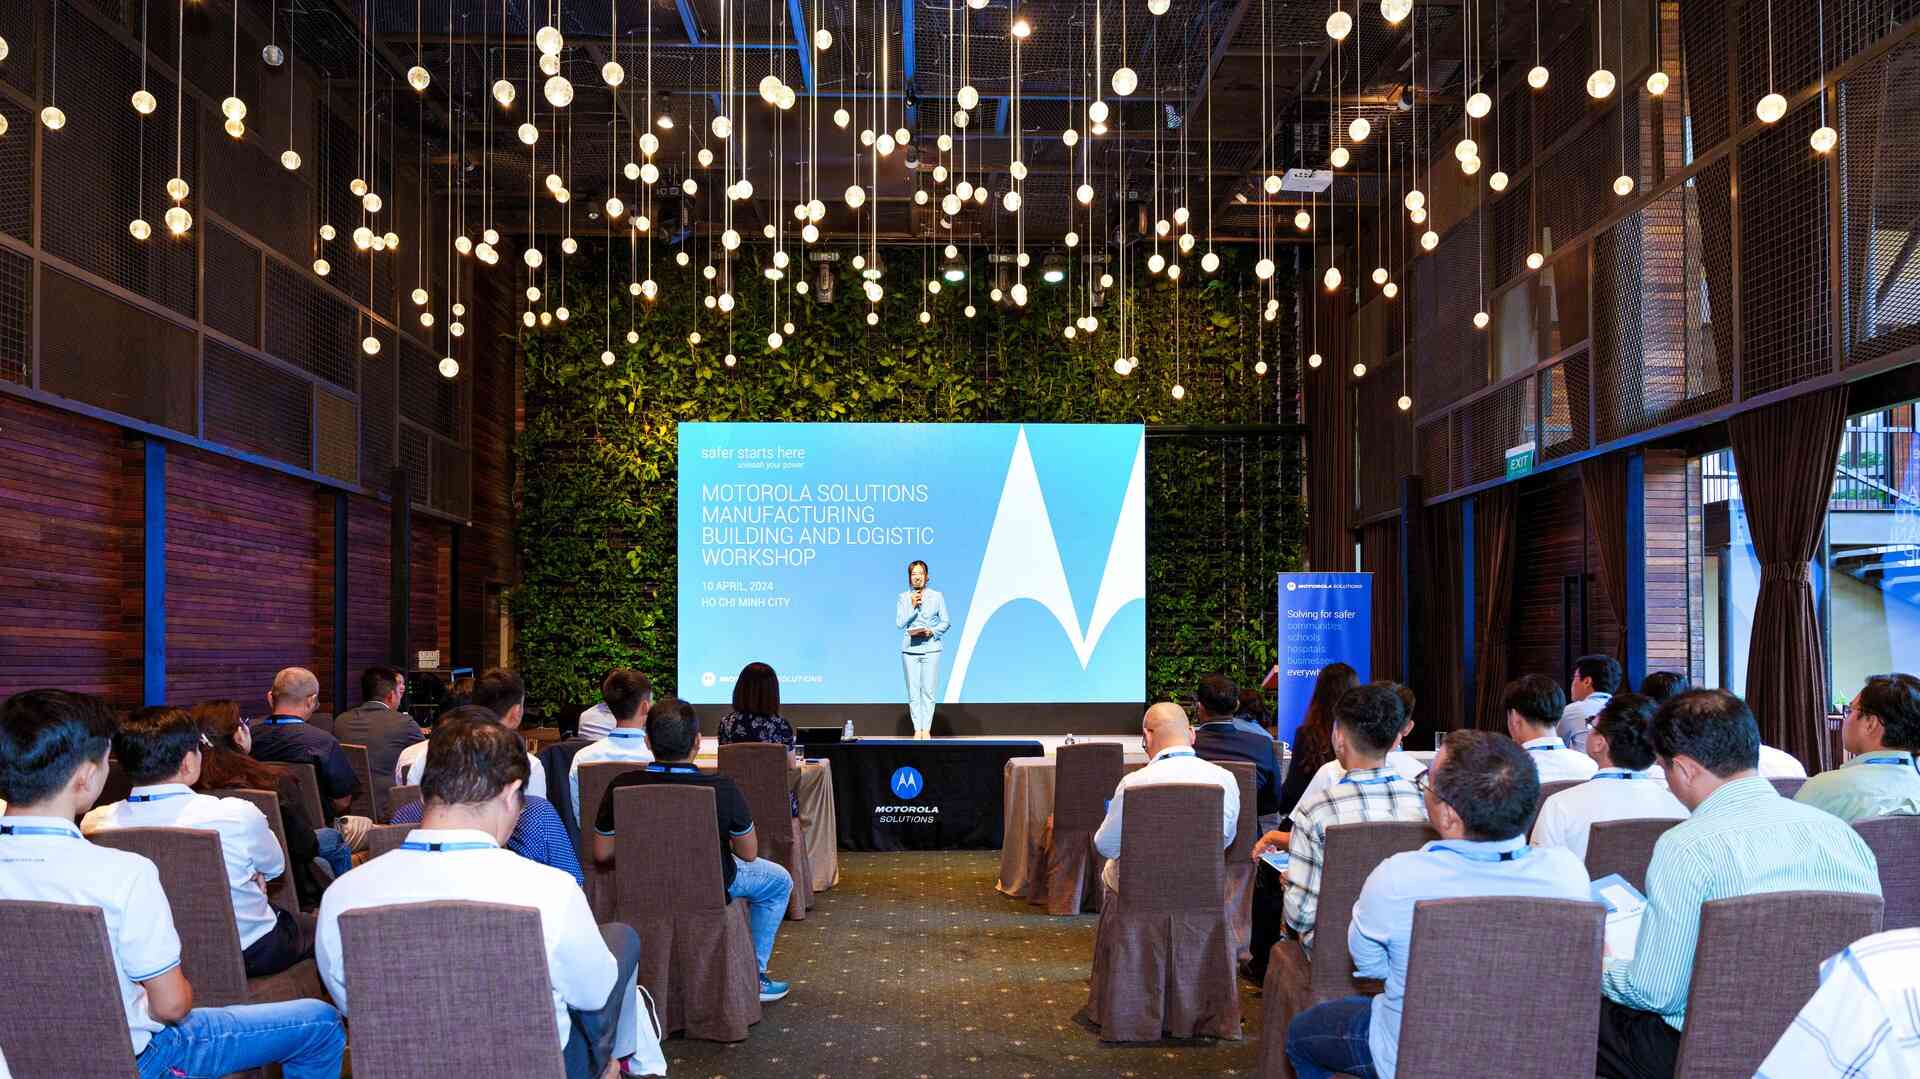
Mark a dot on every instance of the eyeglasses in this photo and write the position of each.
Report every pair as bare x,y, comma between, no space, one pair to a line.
1423,783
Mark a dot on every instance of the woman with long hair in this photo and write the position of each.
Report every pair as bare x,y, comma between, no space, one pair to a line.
225,764
756,714
1313,742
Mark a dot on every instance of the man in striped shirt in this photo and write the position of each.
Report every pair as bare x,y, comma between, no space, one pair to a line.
1366,724
1743,839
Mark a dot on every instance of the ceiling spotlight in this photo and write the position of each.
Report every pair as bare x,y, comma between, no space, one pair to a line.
1054,269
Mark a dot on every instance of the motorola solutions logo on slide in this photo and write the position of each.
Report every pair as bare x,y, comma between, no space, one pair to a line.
907,783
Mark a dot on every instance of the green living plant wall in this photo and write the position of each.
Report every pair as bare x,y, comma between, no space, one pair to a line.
596,525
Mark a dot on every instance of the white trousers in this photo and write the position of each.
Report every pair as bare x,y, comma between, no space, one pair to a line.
923,681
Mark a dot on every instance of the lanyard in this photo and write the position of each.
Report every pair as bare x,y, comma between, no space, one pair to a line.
278,721
1484,855
680,769
627,732
155,797
1171,753
1902,761
37,829
437,848
1619,775
1370,780
1557,744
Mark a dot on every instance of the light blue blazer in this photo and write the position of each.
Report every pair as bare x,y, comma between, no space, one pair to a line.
932,614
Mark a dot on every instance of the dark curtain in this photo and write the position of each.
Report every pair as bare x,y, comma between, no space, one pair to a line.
1380,556
1785,455
1603,485
1436,675
1495,512
1329,418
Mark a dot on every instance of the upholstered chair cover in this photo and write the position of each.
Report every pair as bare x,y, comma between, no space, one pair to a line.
1624,847
68,975
759,769
1896,846
1085,775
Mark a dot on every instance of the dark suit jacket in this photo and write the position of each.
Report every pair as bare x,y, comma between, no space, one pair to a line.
385,733
1222,741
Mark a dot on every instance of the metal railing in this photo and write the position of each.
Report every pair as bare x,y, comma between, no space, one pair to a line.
1874,471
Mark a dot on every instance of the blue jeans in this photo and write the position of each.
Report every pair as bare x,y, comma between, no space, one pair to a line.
303,1036
765,885
334,850
1332,1038
923,681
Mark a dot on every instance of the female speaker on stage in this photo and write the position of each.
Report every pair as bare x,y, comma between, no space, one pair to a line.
922,612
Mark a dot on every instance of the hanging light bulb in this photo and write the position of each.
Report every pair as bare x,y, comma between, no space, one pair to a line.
960,117
328,232
1498,181
449,367
730,239
528,133
1623,185
1097,111
363,237
1600,84
568,245
726,301
721,127
548,40
1379,275
273,55
143,102
769,88
883,145
559,92
823,39
1156,262
1479,104
1339,25
1480,320
1011,201
1120,366
1418,217
1770,109
1470,165
1429,240
1657,83
139,228
1085,194
1262,269
1339,157
1260,368
491,236
504,93
1823,139
1535,260
690,186
290,160
532,257
950,204
1394,11
705,157
1124,82
1315,360
53,117
1464,149
615,207
1331,278
370,345
612,73
1359,129
841,117
1537,77
1390,289
418,77
1209,262
856,196
234,128
1302,220
372,202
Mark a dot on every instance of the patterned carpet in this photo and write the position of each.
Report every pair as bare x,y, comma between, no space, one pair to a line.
913,967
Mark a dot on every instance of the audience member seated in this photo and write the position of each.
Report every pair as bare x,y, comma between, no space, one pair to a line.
1313,741
471,787
762,882
160,748
1663,686
1220,738
1253,715
756,715
1742,839
379,725
1861,1022
538,835
628,696
1171,759
1406,764
1366,723
502,693
1882,731
1595,680
53,766
1479,795
225,765
1628,786
1534,704
595,722
285,737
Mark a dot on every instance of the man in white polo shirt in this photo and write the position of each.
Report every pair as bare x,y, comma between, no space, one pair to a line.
1595,678
53,765
471,797
1534,705
498,691
1171,759
160,749
1628,785
627,696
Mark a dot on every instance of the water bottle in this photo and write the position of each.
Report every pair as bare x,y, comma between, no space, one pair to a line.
846,732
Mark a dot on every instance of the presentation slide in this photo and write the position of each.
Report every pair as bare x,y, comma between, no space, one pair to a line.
795,540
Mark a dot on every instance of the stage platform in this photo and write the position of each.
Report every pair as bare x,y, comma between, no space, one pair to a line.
959,720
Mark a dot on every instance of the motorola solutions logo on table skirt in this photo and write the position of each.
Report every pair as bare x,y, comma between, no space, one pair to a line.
907,785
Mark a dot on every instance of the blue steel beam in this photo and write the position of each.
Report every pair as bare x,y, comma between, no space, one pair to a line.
1000,121
906,53
692,27
802,42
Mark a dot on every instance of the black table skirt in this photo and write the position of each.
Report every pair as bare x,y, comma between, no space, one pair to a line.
950,800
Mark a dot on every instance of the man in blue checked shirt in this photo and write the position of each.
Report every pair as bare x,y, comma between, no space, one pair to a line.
1743,839
1862,1022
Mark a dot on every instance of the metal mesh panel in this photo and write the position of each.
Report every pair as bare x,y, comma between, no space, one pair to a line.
1710,286
1515,150
16,172
18,22
1785,61
1638,340
1451,354
16,316
232,285
1852,25
1786,310
1512,228
450,483
426,398
108,353
1564,102
336,426
1383,436
1436,462
1703,66
1579,177
1879,122
84,217
310,327
247,185
1563,408
1487,428
255,406
413,458
376,421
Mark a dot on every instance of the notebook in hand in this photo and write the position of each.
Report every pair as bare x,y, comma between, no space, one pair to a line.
1624,904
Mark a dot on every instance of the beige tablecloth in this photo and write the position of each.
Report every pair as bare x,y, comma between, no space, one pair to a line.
813,786
1028,800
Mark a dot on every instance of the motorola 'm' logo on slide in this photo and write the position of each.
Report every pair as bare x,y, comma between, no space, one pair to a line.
907,783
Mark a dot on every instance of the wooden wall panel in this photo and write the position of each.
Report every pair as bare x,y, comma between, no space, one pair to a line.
368,586
430,581
486,543
1553,544
242,591
70,596
1670,589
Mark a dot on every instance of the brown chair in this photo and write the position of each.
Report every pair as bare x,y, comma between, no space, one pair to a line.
1788,786
1296,980
1896,846
594,780
759,769
1085,774
449,988
321,721
696,955
366,800
193,874
399,798
1240,865
281,891
60,1015
1162,949
382,838
1777,940
1624,847
308,785
1528,1004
